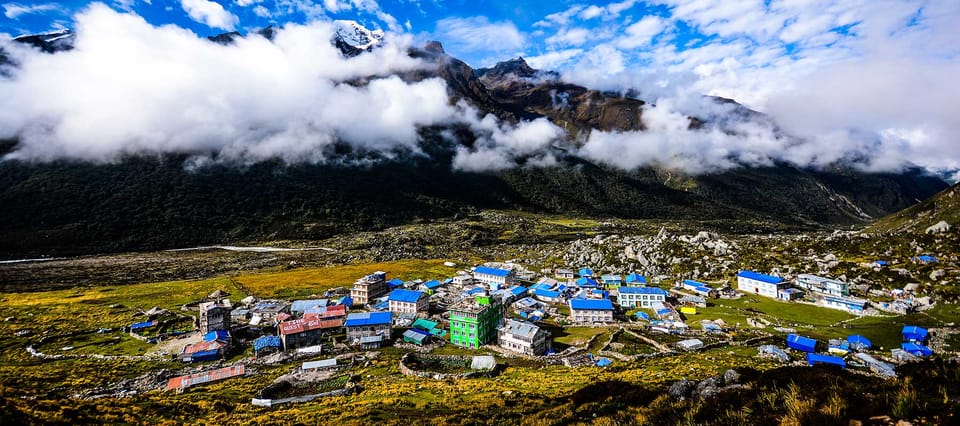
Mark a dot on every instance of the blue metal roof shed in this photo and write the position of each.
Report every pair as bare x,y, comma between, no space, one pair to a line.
636,279
859,342
394,283
801,343
432,284
826,359
597,305
211,355
221,335
585,272
368,318
546,294
402,295
267,342
914,333
916,349
491,271
770,279
517,290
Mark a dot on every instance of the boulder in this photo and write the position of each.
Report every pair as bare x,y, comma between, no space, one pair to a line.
938,228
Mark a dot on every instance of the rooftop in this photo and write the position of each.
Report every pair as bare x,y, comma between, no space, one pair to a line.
520,328
491,271
408,296
368,318
756,276
598,304
643,290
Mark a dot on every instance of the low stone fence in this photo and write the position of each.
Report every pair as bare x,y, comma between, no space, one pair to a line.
408,371
262,402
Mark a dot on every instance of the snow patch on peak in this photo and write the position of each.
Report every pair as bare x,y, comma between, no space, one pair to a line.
357,35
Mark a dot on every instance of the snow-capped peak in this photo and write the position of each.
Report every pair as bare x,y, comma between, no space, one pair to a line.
357,35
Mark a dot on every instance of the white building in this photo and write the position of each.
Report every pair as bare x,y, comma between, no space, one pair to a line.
764,285
523,337
640,297
463,280
584,310
408,301
823,285
494,277
850,304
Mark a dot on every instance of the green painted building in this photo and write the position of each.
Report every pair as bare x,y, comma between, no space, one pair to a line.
474,322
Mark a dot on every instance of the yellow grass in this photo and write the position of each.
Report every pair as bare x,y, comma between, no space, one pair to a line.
304,282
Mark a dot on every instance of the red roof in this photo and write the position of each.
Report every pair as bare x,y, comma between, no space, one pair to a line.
205,377
282,316
203,346
307,324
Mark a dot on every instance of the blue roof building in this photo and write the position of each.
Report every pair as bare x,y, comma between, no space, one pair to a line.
217,335
640,297
916,349
800,343
858,342
825,359
586,282
394,283
591,310
345,301
762,284
636,279
431,285
402,295
611,280
546,295
585,272
361,319
913,333
491,271
925,258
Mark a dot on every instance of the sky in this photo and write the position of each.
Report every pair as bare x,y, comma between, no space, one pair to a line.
863,81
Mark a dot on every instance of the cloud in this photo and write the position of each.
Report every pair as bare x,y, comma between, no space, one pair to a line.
570,37
261,11
15,10
245,3
505,146
642,32
554,59
131,88
210,13
478,34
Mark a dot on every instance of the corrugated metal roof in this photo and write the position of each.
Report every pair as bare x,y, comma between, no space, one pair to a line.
636,278
491,271
546,293
585,272
307,324
408,296
643,290
770,279
801,343
432,284
323,363
205,377
693,283
221,335
517,290
304,305
825,359
601,304
520,328
368,318
586,282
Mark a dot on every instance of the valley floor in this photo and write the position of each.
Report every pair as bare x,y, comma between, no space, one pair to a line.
73,310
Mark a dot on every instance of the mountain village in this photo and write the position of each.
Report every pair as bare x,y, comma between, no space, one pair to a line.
512,313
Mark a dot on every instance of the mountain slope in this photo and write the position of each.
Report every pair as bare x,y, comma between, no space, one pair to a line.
141,203
916,219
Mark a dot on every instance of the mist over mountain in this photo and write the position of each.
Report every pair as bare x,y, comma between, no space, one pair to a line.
123,135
